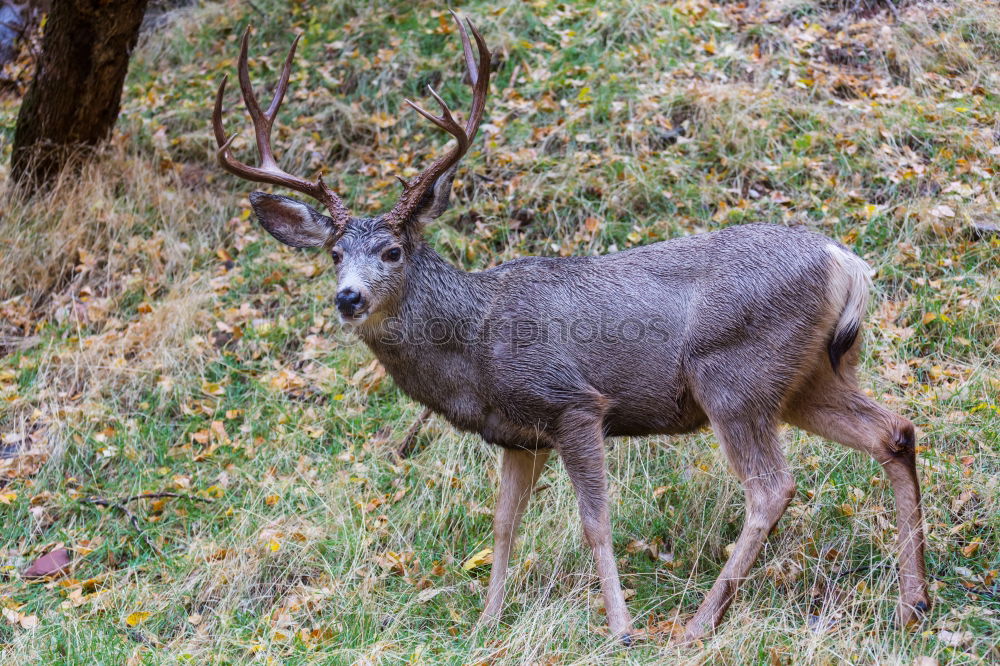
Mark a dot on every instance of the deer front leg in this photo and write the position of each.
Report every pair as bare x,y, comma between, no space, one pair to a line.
581,447
519,471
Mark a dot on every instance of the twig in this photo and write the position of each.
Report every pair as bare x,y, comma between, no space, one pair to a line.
972,590
165,494
100,501
120,505
405,448
255,8
859,569
994,595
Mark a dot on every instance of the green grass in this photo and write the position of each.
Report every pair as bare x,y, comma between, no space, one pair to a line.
166,343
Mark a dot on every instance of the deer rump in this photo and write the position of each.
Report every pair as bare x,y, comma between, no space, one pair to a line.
743,314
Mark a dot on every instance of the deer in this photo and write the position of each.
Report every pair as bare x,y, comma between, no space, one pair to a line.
741,329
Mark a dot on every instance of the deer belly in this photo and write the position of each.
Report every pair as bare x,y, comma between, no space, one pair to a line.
639,413
510,435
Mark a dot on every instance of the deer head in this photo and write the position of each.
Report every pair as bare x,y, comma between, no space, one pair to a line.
371,254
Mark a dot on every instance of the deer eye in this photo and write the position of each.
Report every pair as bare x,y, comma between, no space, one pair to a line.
338,256
392,254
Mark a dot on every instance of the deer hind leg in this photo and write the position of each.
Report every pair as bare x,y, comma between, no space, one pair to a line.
839,412
519,471
754,452
581,446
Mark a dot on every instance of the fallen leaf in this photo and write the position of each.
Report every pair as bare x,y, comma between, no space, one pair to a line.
971,548
428,594
50,564
482,558
942,210
137,618
213,388
955,638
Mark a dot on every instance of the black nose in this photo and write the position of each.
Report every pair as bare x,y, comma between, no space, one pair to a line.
349,301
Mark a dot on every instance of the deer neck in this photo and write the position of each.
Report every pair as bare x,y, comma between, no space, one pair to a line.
426,339
437,295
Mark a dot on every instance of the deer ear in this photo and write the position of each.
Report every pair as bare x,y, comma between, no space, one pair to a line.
290,221
437,198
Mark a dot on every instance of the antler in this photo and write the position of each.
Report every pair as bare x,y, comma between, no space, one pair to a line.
414,192
268,171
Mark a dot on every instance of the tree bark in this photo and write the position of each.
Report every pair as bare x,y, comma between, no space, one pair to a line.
75,97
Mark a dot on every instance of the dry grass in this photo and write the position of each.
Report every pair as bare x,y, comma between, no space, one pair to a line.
154,339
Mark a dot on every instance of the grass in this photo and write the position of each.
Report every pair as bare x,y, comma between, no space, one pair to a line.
155,339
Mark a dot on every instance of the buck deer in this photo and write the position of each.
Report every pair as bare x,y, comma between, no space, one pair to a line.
742,329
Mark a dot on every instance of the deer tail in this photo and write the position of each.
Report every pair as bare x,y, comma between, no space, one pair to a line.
849,284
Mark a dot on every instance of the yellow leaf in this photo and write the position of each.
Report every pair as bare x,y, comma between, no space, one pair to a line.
971,549
271,500
213,388
8,497
137,618
273,545
482,558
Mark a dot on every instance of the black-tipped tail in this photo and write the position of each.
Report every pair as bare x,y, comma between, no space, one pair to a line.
840,342
849,283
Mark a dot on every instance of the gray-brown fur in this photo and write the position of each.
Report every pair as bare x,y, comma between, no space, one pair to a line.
742,329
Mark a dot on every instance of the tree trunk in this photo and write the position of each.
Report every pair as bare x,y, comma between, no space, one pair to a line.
75,96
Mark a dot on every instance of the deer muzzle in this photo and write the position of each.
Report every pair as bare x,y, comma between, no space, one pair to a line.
351,302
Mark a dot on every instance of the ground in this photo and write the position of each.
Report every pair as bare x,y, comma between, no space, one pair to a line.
155,339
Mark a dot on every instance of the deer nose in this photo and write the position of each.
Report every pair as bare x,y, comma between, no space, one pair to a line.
349,301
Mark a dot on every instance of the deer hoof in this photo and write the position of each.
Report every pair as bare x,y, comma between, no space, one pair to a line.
911,614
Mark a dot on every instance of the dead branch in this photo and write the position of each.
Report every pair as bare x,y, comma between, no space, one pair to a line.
120,505
405,448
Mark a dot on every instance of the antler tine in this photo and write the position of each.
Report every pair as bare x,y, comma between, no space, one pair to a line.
268,171
220,131
470,60
445,121
479,74
286,72
261,123
481,85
